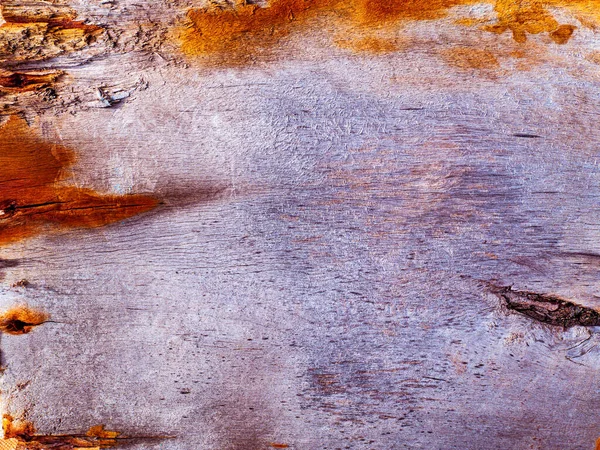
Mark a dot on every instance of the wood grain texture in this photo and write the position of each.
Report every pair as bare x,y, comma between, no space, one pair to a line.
335,213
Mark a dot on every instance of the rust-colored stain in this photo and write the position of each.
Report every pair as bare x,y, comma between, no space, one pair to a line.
21,435
278,445
370,44
470,58
21,320
240,32
245,29
528,17
35,197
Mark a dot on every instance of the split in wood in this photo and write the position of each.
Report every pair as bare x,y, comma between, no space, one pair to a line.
547,309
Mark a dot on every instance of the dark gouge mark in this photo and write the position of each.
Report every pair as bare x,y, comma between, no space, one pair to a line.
33,194
547,309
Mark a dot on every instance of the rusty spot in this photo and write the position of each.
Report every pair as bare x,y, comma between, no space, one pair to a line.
470,58
547,309
33,194
21,320
22,283
278,445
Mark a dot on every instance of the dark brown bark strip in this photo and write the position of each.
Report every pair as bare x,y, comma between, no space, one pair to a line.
547,309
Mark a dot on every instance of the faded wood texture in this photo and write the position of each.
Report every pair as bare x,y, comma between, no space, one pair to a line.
304,224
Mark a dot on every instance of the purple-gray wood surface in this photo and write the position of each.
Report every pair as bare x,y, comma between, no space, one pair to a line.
323,271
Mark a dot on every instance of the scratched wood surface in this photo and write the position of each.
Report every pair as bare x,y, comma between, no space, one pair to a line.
304,224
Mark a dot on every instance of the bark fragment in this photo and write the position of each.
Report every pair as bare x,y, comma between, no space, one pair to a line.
548,309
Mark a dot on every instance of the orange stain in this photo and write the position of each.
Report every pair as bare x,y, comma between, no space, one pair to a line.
371,44
523,17
33,195
470,58
241,32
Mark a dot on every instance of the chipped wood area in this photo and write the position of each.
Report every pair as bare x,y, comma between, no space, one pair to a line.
303,224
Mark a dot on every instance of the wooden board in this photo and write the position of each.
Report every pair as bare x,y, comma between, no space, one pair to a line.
289,225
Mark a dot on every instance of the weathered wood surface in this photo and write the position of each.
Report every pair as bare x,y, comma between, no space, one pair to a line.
324,269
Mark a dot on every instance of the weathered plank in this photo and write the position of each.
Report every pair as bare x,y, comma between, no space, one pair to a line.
340,199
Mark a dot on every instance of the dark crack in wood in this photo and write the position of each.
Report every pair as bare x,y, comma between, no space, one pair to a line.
548,309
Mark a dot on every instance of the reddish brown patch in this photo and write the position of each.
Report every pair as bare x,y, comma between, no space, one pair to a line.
33,195
27,81
278,445
470,58
563,33
21,320
378,12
